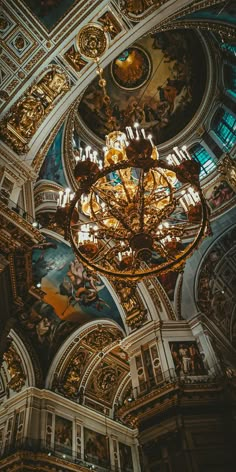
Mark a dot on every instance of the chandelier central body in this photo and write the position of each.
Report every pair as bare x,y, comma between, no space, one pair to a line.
131,216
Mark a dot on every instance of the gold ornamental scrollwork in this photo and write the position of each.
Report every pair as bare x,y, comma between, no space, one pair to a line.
71,382
105,381
15,369
100,338
92,41
28,113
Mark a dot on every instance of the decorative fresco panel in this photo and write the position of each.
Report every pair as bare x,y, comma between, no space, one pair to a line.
110,24
219,194
126,462
216,284
187,358
96,448
169,69
67,296
52,168
168,281
49,12
63,434
72,292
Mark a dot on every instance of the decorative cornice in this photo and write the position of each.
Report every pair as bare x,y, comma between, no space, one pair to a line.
29,234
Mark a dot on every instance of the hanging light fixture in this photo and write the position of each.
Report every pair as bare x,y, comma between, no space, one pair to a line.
133,215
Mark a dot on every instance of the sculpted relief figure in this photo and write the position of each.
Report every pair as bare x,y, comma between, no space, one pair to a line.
27,115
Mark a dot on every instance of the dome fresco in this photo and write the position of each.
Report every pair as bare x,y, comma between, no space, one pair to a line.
159,82
71,297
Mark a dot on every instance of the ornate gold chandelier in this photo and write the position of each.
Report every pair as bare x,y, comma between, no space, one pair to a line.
130,216
133,215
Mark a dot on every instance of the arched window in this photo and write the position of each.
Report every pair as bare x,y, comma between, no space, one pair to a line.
230,79
208,163
224,125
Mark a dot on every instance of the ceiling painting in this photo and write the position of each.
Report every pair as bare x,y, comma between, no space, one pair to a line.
49,12
74,293
217,282
67,297
168,282
131,69
52,168
219,194
158,82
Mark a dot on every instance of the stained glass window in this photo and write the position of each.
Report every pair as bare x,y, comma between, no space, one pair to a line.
224,125
230,79
208,163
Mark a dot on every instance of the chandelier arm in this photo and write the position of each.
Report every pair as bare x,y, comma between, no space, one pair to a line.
164,252
96,258
152,272
141,198
124,186
116,213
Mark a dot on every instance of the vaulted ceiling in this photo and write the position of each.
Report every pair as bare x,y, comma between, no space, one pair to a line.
50,104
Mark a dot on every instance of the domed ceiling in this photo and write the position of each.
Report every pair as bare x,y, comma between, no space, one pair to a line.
158,82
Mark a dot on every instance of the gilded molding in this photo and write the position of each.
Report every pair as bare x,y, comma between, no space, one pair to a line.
187,10
223,30
5,58
38,55
138,10
136,313
92,41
